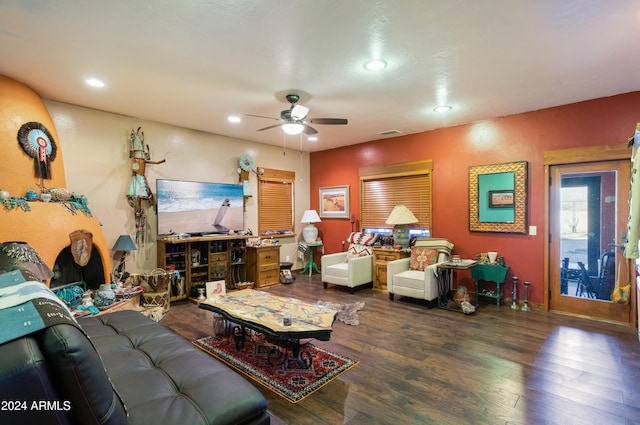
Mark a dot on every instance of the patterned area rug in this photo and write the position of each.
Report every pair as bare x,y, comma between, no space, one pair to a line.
291,379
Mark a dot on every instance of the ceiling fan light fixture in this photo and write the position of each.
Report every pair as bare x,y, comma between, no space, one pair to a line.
292,128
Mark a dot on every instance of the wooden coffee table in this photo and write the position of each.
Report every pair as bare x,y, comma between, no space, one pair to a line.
264,312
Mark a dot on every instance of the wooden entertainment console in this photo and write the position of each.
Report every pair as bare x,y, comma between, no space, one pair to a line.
204,259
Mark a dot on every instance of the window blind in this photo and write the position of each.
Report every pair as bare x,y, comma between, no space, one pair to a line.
275,201
382,188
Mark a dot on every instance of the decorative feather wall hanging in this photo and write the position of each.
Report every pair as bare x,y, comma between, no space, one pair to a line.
38,143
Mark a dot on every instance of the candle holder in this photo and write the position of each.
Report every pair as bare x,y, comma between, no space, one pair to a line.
525,307
514,304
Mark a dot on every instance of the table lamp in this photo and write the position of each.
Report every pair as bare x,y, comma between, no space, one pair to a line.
401,217
310,232
124,244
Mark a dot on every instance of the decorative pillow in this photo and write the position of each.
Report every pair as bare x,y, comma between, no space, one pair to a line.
362,238
357,250
422,256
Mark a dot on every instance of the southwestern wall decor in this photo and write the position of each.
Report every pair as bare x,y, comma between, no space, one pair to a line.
38,143
140,196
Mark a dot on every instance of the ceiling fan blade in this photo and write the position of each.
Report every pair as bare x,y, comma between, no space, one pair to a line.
329,121
309,130
261,116
299,112
271,126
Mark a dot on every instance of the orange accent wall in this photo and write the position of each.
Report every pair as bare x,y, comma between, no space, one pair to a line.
519,137
48,225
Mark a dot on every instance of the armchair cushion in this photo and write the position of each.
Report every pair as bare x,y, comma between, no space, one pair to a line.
422,256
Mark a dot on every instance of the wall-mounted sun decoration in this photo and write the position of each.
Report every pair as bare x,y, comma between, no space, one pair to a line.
246,165
38,143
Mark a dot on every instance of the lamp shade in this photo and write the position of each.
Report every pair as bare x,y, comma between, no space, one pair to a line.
401,215
310,232
124,243
311,216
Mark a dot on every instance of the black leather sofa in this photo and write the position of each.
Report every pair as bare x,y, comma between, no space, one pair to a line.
55,376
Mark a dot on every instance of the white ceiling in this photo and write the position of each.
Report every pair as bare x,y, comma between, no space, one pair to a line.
191,63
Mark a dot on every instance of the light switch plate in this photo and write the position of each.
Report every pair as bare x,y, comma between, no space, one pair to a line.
533,230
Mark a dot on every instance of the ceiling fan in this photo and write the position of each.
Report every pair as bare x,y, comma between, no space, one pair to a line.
293,120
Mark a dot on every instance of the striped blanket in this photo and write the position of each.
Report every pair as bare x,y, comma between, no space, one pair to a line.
28,306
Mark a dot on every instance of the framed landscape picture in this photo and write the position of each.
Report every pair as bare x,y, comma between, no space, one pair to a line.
334,202
501,199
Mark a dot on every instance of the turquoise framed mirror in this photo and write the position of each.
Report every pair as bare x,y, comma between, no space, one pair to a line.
498,197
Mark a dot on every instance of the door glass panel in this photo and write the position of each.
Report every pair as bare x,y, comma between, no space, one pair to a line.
587,234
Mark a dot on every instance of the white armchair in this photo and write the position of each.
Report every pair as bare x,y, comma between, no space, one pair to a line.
416,277
354,268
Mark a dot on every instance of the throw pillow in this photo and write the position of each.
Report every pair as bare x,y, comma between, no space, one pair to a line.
422,256
356,250
362,238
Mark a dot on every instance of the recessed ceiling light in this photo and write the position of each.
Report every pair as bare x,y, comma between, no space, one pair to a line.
94,82
442,108
375,65
312,138
234,118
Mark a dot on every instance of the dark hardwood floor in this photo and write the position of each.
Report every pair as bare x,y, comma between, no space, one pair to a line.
432,366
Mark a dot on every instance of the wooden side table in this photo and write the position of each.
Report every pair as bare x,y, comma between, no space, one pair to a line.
445,280
381,256
263,265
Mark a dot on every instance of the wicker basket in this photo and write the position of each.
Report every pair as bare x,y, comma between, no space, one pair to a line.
157,281
156,299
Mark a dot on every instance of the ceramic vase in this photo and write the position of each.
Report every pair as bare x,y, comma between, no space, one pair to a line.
105,296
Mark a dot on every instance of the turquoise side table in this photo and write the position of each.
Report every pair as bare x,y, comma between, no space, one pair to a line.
311,265
496,273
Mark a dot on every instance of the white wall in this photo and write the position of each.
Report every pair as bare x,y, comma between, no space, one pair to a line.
95,148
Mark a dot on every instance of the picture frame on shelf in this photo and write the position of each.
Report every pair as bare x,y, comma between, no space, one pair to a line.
217,287
334,201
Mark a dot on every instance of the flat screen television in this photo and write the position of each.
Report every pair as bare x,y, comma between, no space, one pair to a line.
199,208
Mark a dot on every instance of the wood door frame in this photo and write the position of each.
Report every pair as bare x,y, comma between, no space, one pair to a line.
618,151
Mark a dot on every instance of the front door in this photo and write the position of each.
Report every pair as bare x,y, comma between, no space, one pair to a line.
588,208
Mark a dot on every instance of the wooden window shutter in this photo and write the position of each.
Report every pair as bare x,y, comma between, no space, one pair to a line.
275,202
384,187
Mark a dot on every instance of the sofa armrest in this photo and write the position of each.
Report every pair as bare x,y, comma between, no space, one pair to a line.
331,259
394,267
